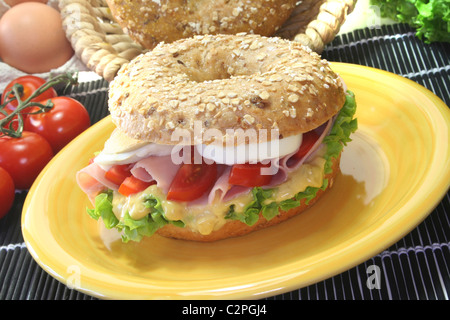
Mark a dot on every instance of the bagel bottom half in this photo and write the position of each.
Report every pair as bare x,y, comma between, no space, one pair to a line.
234,228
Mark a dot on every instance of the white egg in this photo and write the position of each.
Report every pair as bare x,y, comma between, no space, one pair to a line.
250,152
32,38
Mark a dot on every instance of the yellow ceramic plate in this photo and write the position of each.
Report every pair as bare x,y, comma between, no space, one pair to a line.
394,172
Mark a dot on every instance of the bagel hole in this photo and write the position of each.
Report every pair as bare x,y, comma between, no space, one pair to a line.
199,76
220,72
210,67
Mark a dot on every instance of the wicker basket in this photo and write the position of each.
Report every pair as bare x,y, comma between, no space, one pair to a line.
102,45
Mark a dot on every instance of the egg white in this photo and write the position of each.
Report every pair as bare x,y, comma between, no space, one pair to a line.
250,152
229,155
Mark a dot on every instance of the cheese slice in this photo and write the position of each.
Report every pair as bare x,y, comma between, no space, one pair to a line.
119,142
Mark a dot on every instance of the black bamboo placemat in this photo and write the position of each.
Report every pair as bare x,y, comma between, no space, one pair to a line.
416,267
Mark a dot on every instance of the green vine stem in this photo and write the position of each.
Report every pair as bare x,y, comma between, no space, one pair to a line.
7,123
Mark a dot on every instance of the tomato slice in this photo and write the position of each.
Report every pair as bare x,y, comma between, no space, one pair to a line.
133,185
249,175
308,141
118,173
192,181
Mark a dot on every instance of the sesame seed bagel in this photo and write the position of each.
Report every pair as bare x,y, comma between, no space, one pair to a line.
149,22
234,228
224,82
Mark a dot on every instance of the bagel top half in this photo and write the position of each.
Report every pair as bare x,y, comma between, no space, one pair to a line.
224,82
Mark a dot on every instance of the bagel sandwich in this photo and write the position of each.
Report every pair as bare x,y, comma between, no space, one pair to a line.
218,136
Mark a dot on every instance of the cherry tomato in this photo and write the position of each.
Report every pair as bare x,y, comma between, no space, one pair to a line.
192,181
61,124
30,84
118,173
7,192
133,185
249,175
24,157
309,138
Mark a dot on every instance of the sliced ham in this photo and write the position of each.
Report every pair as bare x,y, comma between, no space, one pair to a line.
223,191
154,168
221,187
163,170
289,164
91,180
96,172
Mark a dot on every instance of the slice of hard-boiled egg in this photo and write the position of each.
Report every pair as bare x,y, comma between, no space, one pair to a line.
121,149
250,152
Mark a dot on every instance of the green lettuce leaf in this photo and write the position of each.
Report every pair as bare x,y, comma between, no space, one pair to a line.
343,127
104,209
251,212
131,229
430,18
339,136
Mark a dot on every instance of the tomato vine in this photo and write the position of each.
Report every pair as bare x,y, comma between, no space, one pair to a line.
12,122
